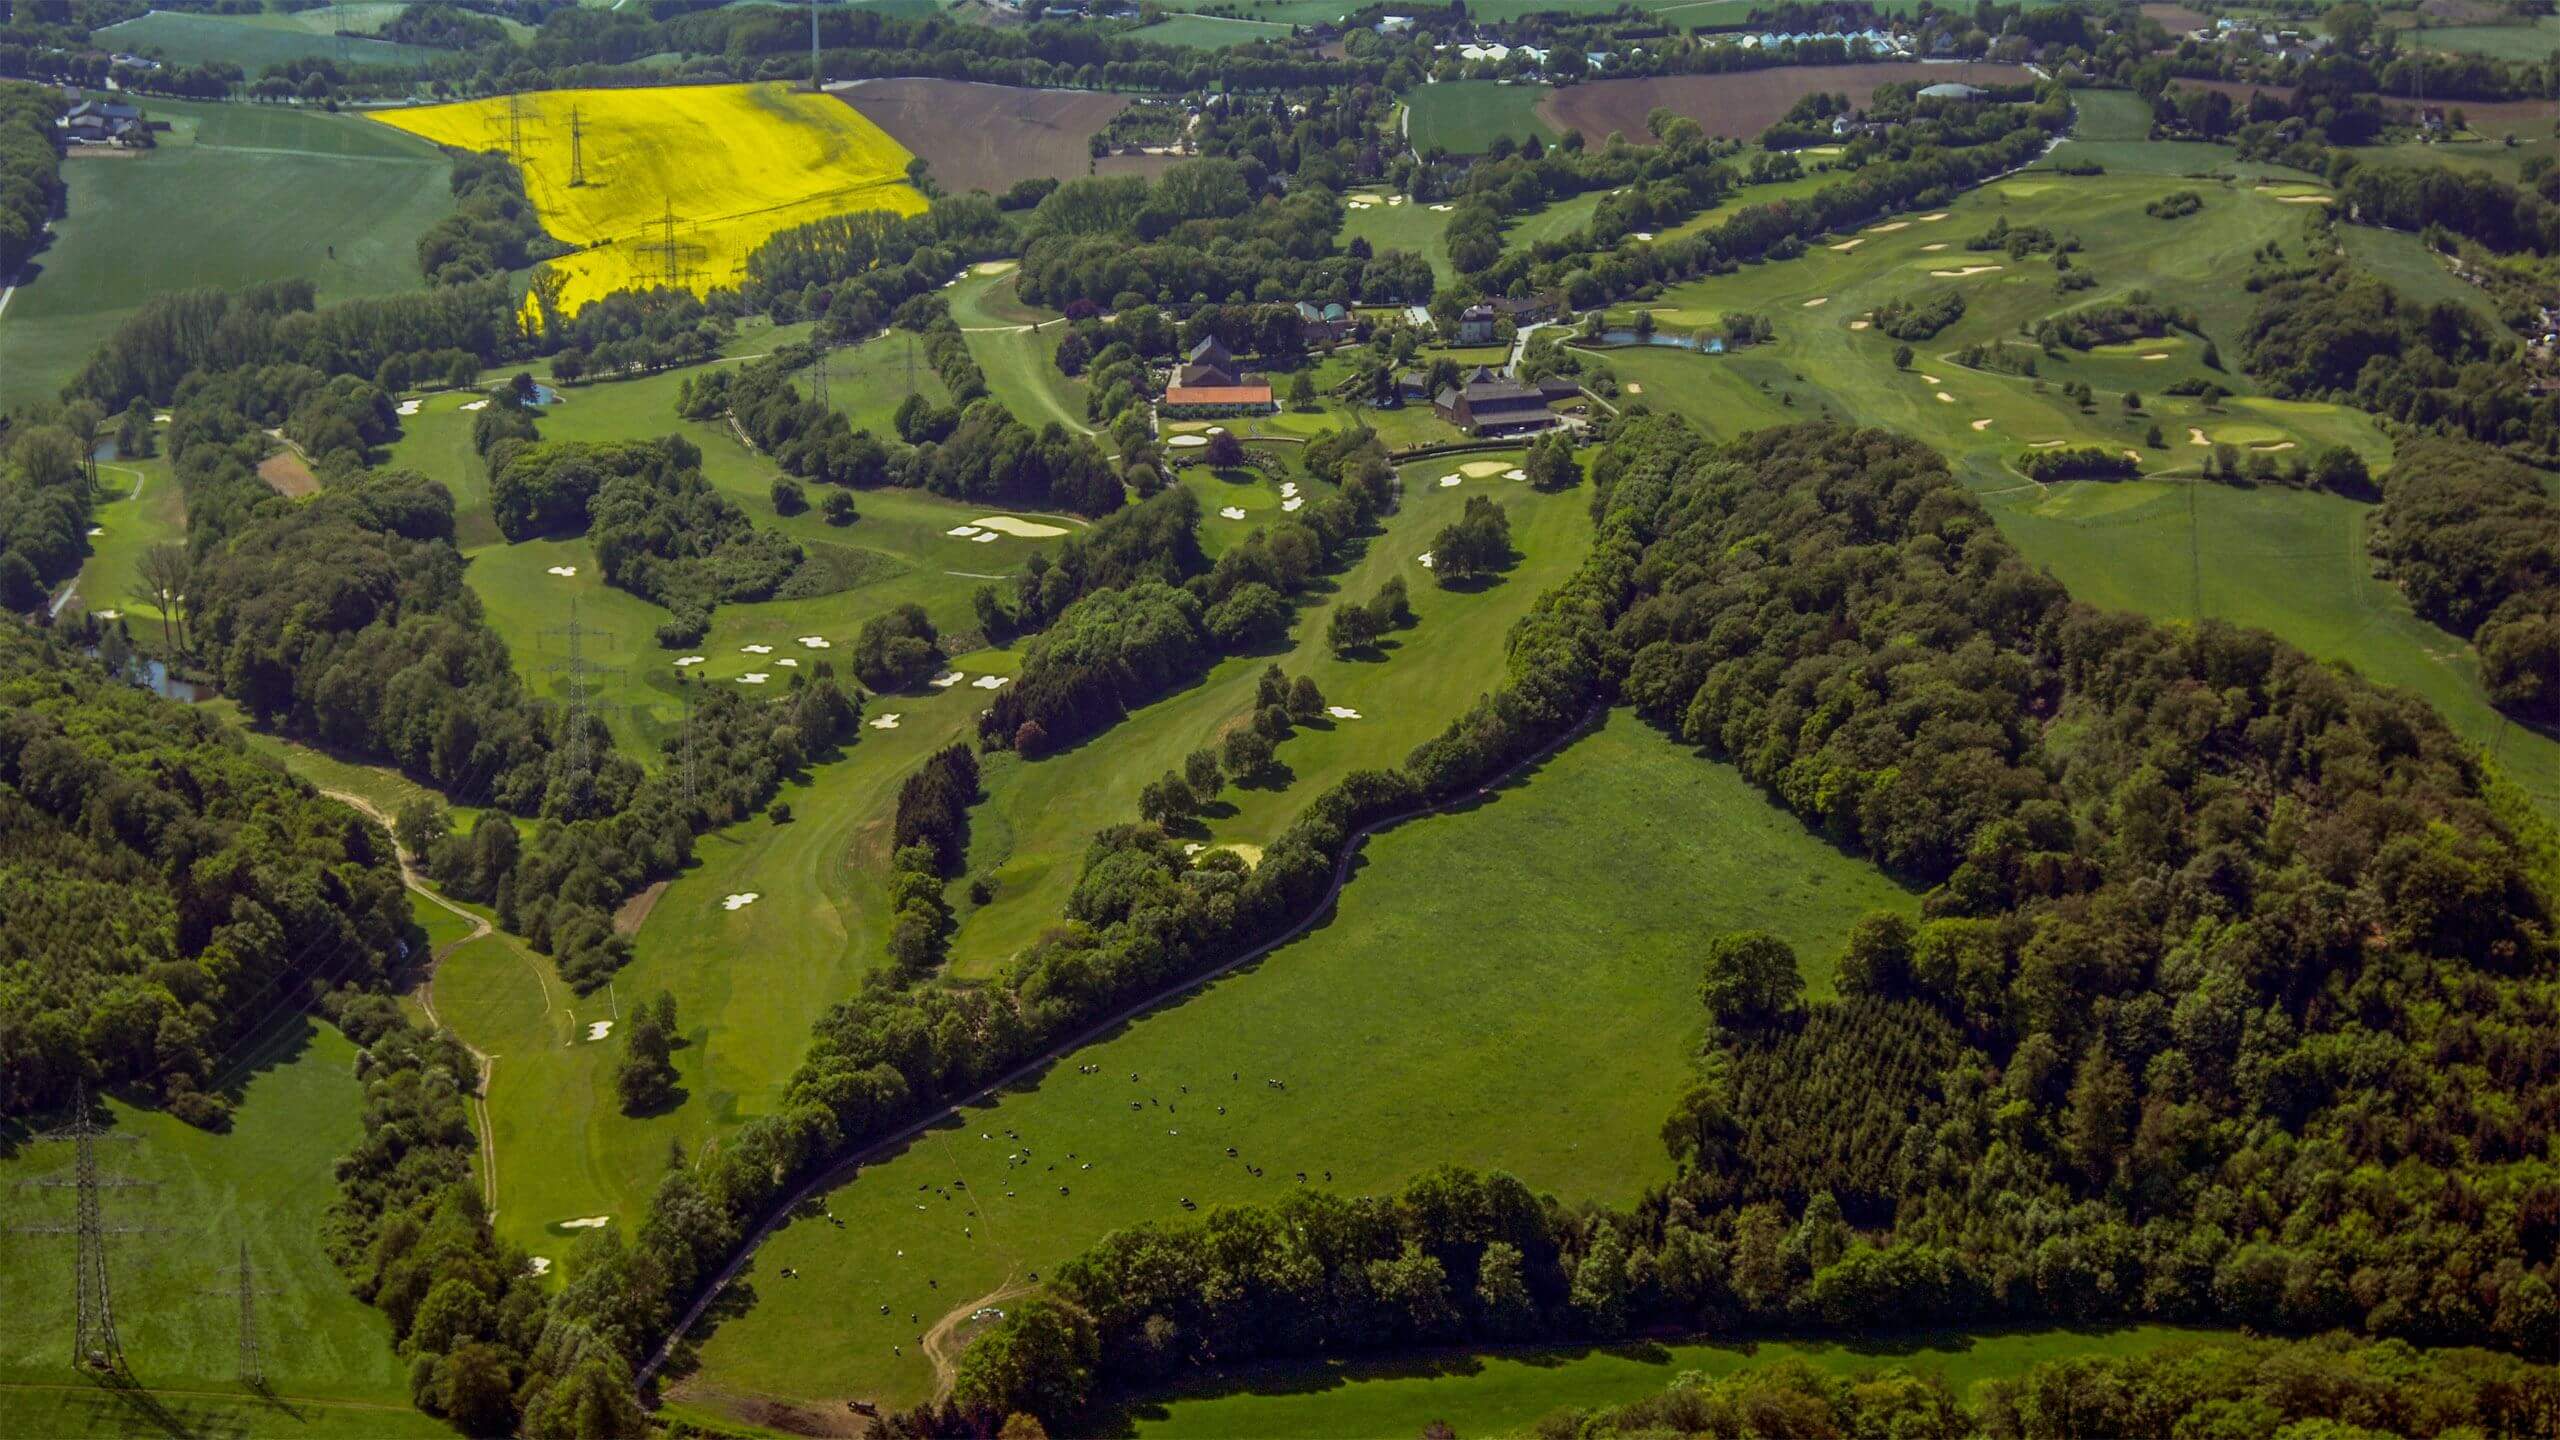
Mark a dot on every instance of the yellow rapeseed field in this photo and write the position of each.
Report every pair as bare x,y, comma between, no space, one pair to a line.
734,163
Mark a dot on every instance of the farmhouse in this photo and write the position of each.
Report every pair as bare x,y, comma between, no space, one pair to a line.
1207,365
1193,402
101,122
1475,325
1486,404
1324,325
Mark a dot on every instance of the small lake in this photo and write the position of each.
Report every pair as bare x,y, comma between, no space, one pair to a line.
1712,345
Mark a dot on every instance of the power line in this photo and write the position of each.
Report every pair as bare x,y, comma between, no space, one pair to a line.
94,1343
577,150
578,668
244,1289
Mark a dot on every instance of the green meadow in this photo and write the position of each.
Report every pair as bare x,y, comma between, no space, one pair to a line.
141,507
1464,116
256,42
1490,990
1208,32
1016,345
1502,1392
1409,225
265,1184
267,194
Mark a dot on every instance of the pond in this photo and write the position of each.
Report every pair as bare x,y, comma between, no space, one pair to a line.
1713,345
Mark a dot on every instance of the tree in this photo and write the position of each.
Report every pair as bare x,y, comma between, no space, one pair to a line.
1224,451
161,576
839,507
1901,357
1550,465
788,497
1349,628
1478,544
2097,1121
1306,702
646,1080
1247,753
1166,801
1302,391
1040,1362
1749,978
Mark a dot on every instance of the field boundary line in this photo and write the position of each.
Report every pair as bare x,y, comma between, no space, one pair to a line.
852,1162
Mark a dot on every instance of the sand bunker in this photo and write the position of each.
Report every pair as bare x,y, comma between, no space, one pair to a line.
1817,300
1231,512
741,900
815,642
1945,399
1395,199
409,407
1889,229
2134,455
1342,712
991,267
1288,487
1960,274
1194,848
1479,469
756,649
2157,355
1448,480
984,537
588,1222
1359,202
961,532
1984,424
1215,430
1425,558
885,722
2047,444
791,661
1643,235
97,530
598,1029
754,677
541,1264
1845,246
1442,209
1933,219
475,404
163,418
990,682
2197,437
1292,503
1179,442
1515,473
946,679
564,571
688,662
1634,389
2269,448
2306,200
1929,380
1933,249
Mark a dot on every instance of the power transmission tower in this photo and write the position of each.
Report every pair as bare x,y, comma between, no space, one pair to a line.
578,668
93,1336
577,150
819,383
692,775
817,77
244,1289
669,255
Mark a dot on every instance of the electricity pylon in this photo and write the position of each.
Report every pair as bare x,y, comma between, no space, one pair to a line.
94,1344
244,1290
577,149
578,668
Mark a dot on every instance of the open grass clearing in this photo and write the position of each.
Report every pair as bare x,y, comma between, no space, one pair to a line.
1509,987
1736,103
1411,226
266,194
257,42
1208,32
1464,116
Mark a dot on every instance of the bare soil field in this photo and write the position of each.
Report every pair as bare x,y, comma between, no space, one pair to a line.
2176,19
1742,103
986,137
285,474
2482,115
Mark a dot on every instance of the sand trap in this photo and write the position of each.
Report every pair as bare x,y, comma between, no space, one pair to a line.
1179,442
1288,487
885,722
1933,249
991,267
688,662
1933,219
598,1029
1292,503
589,1222
1515,473
1231,512
741,900
1889,229
1442,209
1342,712
946,679
1930,380
1448,480
1359,202
1194,848
1642,235
2048,444
1817,300
2197,437
1945,399
2271,448
962,532
984,537
756,649
409,407
1858,324
1634,389
108,614
2157,355
1479,469
815,642
754,677
1395,199
989,682
1982,424
1019,529
97,530
2306,200
1845,246
1967,270
789,660
541,1264
475,404
1425,558
163,418
1215,430
2134,455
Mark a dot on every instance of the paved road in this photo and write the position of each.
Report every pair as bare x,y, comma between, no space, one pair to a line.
852,1161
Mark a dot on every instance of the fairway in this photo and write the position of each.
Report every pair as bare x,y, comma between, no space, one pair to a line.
1408,225
1503,1392
1462,117
1505,987
266,1184
731,164
257,42
267,194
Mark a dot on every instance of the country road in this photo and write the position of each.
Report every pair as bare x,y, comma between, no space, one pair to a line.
851,1162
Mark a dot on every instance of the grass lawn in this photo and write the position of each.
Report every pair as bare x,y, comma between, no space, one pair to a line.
141,507
2528,40
1019,356
262,193
2110,115
868,382
2415,271
1442,1004
1410,226
1503,1392
266,1184
256,42
1463,116
1028,837
1208,32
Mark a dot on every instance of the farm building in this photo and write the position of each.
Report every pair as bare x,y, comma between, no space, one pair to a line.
101,122
1475,325
1192,402
1324,325
1486,404
1207,365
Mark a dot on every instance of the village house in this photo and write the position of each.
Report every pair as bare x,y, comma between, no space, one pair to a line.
1475,325
1486,404
102,122
1208,382
1207,364
1321,327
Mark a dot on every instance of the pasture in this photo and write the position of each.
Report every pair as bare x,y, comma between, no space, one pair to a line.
265,1184
2524,40
731,164
257,42
1492,989
1462,117
976,136
1739,103
1503,1392
268,194
1208,32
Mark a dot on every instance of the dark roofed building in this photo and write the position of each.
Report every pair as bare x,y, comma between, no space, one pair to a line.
1324,325
1210,352
1486,404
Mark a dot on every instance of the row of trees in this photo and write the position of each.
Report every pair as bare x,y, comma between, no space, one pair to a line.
30,170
